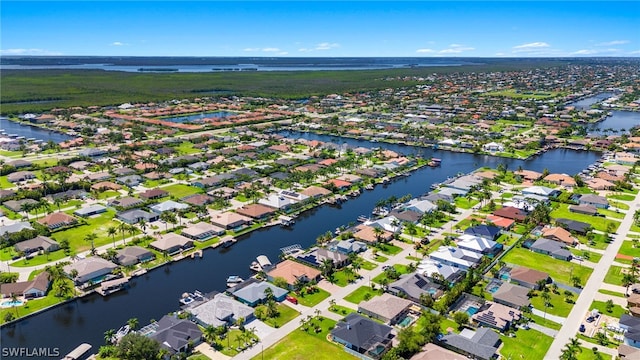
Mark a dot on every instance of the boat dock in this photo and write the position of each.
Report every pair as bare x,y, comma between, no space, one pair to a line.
77,352
197,254
111,286
262,263
291,249
138,272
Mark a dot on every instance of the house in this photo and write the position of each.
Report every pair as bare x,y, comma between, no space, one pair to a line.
456,257
91,269
39,243
105,185
90,210
598,201
512,295
256,211
277,201
628,352
172,243
131,255
584,209
633,304
348,246
293,272
489,232
339,184
294,196
364,336
511,212
176,335
15,228
421,206
154,194
528,175
17,205
541,191
198,199
370,235
168,205
126,202
386,307
433,269
493,147
230,220
202,231
130,180
136,215
497,316
253,293
434,352
573,225
558,234
599,184
221,310
499,221
412,286
478,244
552,248
480,344
20,176
561,179
29,289
528,278
57,220
631,326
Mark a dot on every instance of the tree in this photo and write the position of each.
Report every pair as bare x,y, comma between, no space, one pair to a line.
210,333
410,342
280,282
112,231
133,323
109,336
461,318
134,346
628,279
609,305
90,237
378,232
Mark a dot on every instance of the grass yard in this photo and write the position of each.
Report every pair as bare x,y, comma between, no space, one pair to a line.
4,183
314,299
302,345
341,310
107,194
186,148
285,314
526,345
96,224
616,311
40,259
32,306
389,249
627,248
340,278
612,293
558,304
596,222
611,213
587,255
544,322
230,344
622,197
447,323
360,294
619,205
400,269
614,275
380,258
181,190
367,265
464,203
588,354
558,270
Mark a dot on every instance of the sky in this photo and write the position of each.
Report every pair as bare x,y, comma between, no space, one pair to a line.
321,28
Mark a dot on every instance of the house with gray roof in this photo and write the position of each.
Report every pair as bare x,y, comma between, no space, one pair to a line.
90,210
130,180
253,293
134,216
598,201
20,176
39,243
348,246
132,255
364,336
221,310
431,269
480,344
15,227
16,205
175,335
552,248
512,295
126,202
412,286
386,307
90,269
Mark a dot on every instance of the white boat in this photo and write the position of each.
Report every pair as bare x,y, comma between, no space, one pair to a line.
234,280
122,332
362,218
77,352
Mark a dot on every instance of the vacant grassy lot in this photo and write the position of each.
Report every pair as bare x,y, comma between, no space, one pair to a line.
558,305
312,299
341,310
614,275
616,310
588,354
527,345
95,224
627,248
596,222
360,294
285,314
558,270
182,190
389,249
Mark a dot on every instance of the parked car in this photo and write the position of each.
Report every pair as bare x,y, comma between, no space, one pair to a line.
292,300
590,319
582,328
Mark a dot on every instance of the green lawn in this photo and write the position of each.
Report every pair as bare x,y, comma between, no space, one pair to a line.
622,197
587,255
31,306
558,304
389,249
341,310
527,345
400,269
186,148
357,296
611,213
516,94
588,354
558,270
614,275
596,222
340,278
619,205
616,311
612,293
285,315
380,258
40,259
107,194
314,299
544,322
228,346
4,183
181,190
627,248
447,323
464,203
303,345
367,265
97,225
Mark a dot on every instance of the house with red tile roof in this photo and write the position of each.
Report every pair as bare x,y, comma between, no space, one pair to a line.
57,220
511,212
256,211
340,184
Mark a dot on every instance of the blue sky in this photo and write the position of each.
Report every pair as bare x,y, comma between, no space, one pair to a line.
320,28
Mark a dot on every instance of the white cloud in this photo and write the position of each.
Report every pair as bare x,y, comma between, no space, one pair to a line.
531,47
250,49
585,52
425,51
41,52
271,50
635,52
283,53
118,43
451,49
614,42
326,46
266,49
500,54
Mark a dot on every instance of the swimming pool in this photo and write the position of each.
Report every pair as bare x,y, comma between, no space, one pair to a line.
406,321
472,310
494,288
11,303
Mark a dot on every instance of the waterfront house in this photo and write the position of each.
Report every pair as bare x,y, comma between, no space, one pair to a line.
528,175
528,278
57,220
433,269
90,210
364,336
540,190
229,220
599,184
154,194
338,259
597,201
38,243
552,248
339,184
202,231
348,246
20,176
35,288
168,205
315,191
17,205
560,179
558,234
136,215
176,335
488,232
386,307
91,269
493,147
420,206
253,294
131,255
15,228
277,202
172,243
221,310
456,257
126,202
368,234
256,211
412,286
292,272
512,295
478,244
480,344
573,225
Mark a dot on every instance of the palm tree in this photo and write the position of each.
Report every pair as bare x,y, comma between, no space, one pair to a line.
133,323
122,227
26,207
112,231
628,279
91,237
57,202
131,230
109,335
210,333
378,233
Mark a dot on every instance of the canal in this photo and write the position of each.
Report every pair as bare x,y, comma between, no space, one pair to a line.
156,293
28,131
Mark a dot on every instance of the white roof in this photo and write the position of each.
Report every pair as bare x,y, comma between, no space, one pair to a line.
538,190
168,205
475,243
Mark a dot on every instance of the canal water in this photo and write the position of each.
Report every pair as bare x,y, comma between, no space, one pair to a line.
156,293
199,117
585,104
12,127
619,121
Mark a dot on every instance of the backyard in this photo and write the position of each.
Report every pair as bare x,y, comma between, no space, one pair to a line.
597,222
559,270
527,344
181,190
360,294
98,225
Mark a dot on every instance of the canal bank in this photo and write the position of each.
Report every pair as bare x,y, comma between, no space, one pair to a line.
157,292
